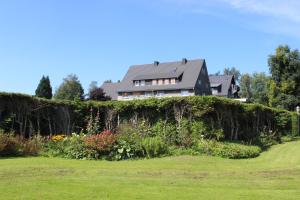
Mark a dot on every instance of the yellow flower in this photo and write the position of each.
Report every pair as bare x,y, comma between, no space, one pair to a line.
57,138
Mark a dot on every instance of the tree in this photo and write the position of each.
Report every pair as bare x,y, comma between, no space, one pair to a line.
259,88
218,73
44,89
70,89
284,67
93,86
233,71
98,94
245,85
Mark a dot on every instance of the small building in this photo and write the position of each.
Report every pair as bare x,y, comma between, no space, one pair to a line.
158,80
224,85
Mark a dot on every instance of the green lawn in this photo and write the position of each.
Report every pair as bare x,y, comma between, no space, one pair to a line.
273,175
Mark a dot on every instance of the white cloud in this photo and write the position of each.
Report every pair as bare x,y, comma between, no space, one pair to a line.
273,16
282,9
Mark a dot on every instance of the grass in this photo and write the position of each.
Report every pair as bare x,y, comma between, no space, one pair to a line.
273,175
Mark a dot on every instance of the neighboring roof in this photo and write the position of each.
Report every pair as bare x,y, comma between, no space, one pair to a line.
224,80
111,89
190,70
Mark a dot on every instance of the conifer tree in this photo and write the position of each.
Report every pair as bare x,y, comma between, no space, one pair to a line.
44,89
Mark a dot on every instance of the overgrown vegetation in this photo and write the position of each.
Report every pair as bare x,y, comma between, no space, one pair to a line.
148,128
30,116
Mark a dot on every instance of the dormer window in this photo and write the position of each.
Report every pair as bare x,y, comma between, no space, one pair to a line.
137,83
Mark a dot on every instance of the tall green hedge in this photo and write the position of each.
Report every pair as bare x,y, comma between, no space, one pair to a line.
28,115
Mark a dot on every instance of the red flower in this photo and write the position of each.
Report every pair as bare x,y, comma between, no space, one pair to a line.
102,142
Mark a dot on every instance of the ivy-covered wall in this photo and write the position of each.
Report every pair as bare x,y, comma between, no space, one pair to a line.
28,116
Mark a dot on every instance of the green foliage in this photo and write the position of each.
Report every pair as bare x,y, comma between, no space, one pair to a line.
295,124
70,89
285,69
72,147
227,150
167,131
150,117
128,146
93,126
233,71
259,88
245,85
44,89
154,147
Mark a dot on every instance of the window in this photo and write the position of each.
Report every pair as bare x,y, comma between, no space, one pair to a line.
200,82
148,82
167,81
214,91
142,83
173,81
184,93
160,93
137,83
154,82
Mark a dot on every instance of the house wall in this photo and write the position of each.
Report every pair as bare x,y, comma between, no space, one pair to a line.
144,95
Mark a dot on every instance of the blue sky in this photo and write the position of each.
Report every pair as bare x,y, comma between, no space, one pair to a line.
99,40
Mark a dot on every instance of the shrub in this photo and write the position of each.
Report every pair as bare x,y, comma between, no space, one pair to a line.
75,148
72,147
128,146
228,150
102,143
32,147
11,145
267,139
167,131
154,147
55,148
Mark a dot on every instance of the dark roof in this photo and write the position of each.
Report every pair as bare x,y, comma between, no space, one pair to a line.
172,74
111,89
189,71
224,80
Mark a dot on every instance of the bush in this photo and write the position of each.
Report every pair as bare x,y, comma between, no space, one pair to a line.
17,146
154,147
267,139
102,143
128,145
228,150
32,147
9,145
72,147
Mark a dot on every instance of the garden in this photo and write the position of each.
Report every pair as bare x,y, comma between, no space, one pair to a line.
177,148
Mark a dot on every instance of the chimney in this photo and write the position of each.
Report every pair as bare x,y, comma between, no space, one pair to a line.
156,63
184,61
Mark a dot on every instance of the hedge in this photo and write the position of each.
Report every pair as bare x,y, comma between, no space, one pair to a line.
28,115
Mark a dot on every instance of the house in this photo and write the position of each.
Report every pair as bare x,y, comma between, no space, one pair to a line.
224,85
171,79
